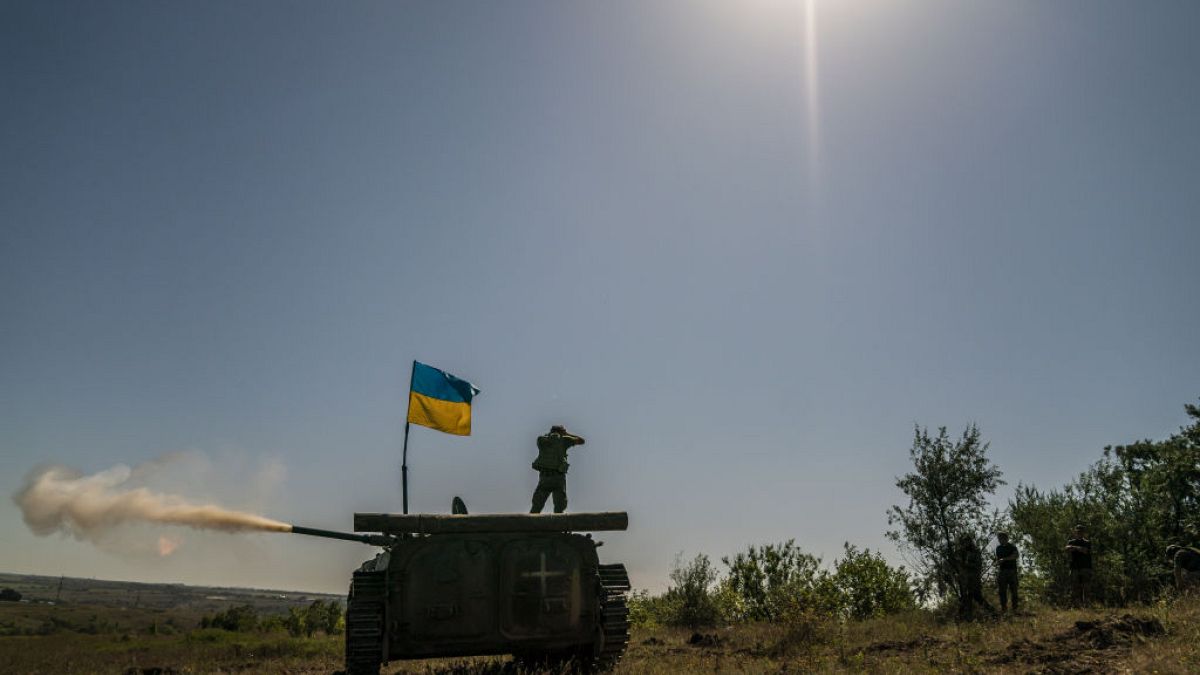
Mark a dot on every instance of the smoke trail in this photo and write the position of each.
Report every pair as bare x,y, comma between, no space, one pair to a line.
60,499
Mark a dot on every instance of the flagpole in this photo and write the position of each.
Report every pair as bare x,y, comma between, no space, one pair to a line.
404,469
404,455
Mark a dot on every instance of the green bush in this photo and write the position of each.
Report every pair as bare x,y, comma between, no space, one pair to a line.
239,619
769,579
868,587
320,616
327,617
690,601
777,583
209,635
647,611
803,626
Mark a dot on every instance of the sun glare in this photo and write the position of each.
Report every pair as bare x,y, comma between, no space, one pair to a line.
812,106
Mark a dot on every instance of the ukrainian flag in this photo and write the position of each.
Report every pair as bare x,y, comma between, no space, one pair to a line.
439,400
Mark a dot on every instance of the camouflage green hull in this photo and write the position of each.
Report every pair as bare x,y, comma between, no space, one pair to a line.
542,596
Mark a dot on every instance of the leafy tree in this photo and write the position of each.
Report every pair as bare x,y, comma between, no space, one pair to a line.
1042,522
947,492
1135,501
868,587
1164,477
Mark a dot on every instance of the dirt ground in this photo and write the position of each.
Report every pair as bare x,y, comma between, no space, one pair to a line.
1088,647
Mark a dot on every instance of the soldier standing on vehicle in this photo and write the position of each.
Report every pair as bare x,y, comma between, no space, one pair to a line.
551,465
1006,571
1079,548
1185,561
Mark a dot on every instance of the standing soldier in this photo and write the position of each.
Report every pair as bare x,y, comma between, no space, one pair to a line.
1079,548
969,566
551,465
1006,571
1185,561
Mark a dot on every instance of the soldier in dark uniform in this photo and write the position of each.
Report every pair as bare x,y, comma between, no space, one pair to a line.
551,465
1079,549
1006,571
969,566
1185,561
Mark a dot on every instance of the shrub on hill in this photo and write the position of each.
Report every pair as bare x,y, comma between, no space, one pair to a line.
691,599
1134,502
771,579
239,619
319,616
776,583
326,617
868,587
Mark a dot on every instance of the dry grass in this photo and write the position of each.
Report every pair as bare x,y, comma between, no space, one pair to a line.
1045,641
200,652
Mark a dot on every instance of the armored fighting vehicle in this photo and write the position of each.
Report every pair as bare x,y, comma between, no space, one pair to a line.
470,585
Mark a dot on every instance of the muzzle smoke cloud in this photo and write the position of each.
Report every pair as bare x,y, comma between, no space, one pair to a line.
60,499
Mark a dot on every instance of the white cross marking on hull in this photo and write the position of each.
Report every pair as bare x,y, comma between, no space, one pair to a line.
544,574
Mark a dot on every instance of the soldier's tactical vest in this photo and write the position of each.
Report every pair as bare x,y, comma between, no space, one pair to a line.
552,453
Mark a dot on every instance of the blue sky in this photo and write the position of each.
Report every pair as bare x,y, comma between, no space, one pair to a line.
228,229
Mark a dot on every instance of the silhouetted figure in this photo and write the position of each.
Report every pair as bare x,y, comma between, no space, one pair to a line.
969,566
1006,572
551,465
1079,550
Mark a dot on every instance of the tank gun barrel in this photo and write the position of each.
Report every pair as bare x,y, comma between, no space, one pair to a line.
429,523
371,539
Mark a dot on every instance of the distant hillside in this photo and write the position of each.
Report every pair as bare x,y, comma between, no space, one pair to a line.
36,589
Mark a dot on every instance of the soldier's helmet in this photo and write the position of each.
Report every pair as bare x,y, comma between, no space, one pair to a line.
558,429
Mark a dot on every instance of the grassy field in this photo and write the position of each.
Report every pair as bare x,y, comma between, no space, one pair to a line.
117,637
69,625
1161,639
